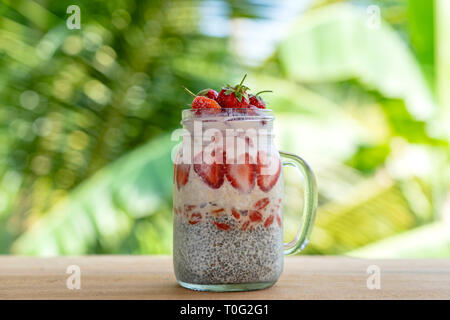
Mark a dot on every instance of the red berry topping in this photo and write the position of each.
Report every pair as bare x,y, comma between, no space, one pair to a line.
254,101
230,100
261,204
217,211
212,174
189,207
234,97
258,101
222,226
228,97
255,216
279,220
235,213
268,221
181,172
268,170
209,93
242,174
201,102
195,218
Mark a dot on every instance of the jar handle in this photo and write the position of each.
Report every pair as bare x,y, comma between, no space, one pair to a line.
309,203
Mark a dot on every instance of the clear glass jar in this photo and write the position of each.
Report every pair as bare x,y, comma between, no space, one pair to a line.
227,202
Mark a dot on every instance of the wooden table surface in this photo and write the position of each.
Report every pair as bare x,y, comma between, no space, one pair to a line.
151,277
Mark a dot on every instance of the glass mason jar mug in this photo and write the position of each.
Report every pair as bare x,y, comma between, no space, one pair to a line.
227,202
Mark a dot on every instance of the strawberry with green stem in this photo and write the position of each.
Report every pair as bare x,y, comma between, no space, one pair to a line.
234,97
209,93
202,102
258,101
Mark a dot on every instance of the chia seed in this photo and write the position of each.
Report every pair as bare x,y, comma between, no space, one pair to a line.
206,255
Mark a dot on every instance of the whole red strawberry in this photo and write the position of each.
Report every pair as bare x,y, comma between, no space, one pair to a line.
258,101
201,103
234,97
210,93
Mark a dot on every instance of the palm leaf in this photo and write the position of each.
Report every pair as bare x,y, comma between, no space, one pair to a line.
372,212
335,43
99,215
430,241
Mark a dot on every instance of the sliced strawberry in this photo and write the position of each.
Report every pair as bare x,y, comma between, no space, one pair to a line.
195,218
268,221
268,170
255,216
242,174
211,174
217,211
189,207
222,226
182,174
261,204
235,213
279,220
245,225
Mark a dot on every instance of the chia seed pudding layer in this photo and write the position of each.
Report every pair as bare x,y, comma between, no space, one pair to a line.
205,255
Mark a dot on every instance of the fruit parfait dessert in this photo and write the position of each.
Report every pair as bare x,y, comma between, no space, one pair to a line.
227,194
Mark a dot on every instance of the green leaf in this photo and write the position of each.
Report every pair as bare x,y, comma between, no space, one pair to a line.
335,43
368,158
442,27
430,241
100,214
372,212
422,36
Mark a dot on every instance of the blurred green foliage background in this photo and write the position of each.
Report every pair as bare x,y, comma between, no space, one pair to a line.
361,90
